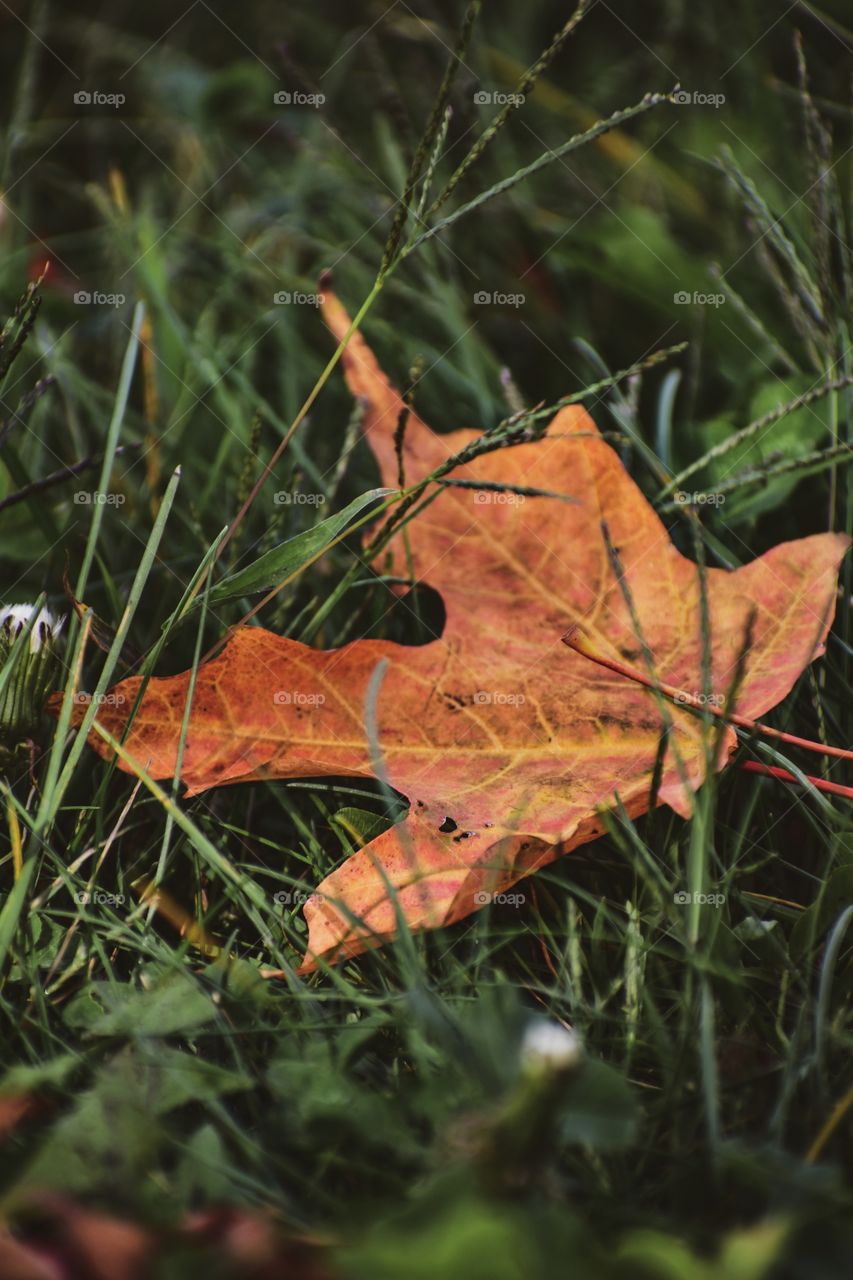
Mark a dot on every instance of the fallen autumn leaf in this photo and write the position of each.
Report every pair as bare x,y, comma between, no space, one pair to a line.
506,744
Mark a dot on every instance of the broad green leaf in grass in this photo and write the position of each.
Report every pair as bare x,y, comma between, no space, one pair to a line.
46,937
173,1005
458,1235
360,823
27,1077
206,1170
750,1253
22,542
281,561
108,1138
600,1108
812,926
631,255
798,433
332,1101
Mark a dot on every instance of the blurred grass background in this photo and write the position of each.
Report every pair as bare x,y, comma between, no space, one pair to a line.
202,197
338,1105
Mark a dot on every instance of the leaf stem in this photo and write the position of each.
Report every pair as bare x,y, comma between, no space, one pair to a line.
575,639
782,775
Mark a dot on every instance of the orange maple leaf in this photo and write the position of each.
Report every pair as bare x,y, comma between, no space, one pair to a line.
507,744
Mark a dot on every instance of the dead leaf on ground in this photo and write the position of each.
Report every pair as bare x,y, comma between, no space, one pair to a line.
506,743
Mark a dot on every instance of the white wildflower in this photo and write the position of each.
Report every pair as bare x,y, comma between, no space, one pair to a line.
550,1046
17,616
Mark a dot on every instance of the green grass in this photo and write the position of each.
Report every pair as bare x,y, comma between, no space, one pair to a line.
381,1108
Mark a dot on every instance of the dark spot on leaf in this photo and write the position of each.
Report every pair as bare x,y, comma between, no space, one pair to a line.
454,701
616,722
448,825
